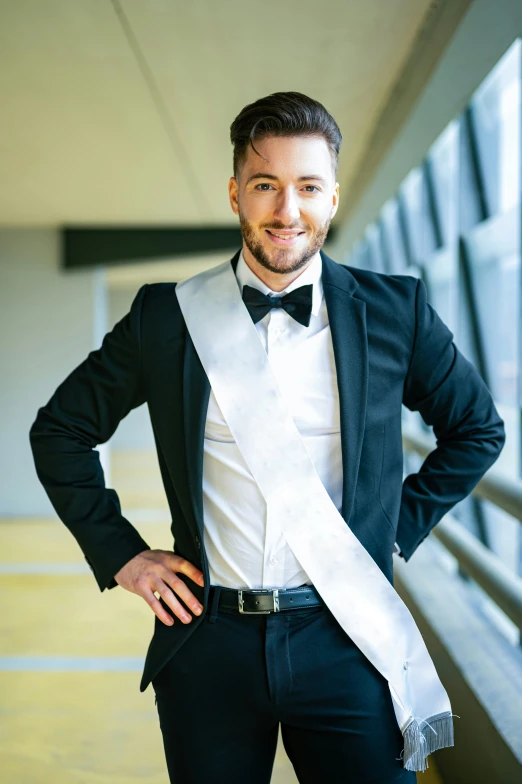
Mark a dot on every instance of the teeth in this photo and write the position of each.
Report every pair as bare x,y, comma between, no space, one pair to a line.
284,236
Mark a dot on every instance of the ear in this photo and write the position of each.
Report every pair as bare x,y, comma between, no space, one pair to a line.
335,200
233,192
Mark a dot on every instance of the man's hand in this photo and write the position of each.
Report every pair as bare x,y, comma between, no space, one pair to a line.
153,571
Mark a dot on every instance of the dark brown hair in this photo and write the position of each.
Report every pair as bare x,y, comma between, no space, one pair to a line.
283,114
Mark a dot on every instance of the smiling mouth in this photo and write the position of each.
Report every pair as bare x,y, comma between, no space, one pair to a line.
284,239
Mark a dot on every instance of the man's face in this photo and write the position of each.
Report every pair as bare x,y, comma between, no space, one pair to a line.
289,191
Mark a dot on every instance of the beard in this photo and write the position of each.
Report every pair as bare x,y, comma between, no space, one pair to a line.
282,260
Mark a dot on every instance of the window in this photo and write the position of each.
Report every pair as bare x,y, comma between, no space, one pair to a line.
495,114
456,221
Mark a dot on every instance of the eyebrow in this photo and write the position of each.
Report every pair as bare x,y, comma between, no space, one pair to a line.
263,176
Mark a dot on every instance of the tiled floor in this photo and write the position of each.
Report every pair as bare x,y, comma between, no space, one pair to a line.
70,708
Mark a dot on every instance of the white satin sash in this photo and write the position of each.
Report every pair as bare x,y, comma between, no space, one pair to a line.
351,584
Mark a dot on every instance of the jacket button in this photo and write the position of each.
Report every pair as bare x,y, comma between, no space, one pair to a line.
198,543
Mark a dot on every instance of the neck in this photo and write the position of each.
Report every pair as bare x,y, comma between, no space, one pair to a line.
275,281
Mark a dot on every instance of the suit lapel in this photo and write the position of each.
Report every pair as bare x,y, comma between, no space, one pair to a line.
196,392
347,317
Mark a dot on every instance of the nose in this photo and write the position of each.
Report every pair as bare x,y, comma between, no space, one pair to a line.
287,207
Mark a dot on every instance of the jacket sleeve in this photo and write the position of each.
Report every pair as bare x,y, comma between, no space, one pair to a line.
84,411
452,397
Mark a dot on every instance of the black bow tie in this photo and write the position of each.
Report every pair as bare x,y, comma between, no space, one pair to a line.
297,303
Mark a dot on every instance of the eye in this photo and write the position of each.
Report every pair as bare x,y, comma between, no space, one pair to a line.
264,186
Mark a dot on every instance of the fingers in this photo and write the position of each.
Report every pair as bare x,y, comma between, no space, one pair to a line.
158,608
182,590
186,567
170,600
161,579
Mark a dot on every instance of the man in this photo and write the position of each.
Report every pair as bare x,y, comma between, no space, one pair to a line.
346,348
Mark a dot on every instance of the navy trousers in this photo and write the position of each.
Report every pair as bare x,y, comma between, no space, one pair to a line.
223,695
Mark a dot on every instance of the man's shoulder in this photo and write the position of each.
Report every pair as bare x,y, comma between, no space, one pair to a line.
160,311
377,287
370,281
158,290
157,294
389,299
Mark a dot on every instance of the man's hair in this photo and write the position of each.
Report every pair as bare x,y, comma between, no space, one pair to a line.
283,114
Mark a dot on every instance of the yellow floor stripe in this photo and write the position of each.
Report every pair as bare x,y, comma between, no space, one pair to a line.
27,541
63,615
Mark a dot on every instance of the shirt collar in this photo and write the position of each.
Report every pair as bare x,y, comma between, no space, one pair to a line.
312,274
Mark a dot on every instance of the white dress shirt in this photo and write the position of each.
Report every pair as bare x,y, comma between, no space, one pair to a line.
245,548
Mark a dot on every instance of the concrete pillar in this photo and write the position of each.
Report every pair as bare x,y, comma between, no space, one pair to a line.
50,321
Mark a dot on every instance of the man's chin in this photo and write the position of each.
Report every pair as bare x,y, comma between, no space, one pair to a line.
283,260
283,266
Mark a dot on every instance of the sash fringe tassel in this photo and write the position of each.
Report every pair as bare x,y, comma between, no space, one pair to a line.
424,736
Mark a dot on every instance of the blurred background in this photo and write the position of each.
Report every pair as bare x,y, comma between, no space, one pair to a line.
114,163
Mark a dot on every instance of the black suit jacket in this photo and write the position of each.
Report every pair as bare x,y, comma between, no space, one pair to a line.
390,347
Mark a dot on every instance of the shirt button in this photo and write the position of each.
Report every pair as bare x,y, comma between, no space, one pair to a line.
273,560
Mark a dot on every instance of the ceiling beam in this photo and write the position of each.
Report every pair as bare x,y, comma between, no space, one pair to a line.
91,246
88,247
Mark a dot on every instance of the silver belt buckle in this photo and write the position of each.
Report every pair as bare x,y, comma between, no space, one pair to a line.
275,597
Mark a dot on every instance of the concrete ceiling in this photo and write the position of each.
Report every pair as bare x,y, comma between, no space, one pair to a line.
118,112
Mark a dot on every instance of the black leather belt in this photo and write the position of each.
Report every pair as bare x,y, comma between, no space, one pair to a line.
253,601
